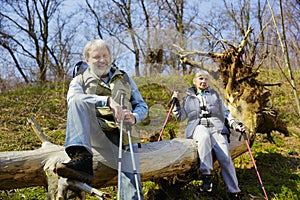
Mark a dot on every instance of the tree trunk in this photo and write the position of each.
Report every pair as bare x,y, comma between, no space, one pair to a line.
164,159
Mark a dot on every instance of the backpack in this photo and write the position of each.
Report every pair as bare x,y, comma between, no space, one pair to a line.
79,68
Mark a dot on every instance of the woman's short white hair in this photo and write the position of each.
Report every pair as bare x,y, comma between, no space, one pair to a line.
202,73
94,44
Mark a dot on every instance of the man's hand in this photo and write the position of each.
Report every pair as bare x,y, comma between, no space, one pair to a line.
129,117
116,109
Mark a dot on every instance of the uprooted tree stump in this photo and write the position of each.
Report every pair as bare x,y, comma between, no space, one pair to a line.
246,97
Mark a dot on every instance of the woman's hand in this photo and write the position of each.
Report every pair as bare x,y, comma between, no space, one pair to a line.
240,127
175,95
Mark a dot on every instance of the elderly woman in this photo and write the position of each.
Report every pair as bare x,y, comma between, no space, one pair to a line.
206,114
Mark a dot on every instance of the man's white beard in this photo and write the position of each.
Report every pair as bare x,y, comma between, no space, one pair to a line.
95,69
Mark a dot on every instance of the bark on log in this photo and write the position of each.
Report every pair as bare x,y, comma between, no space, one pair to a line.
168,158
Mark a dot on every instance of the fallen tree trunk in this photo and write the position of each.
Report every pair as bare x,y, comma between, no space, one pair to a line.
168,158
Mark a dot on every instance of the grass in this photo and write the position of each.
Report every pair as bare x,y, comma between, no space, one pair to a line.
278,163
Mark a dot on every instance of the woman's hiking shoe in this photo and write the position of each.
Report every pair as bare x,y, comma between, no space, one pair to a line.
206,183
80,167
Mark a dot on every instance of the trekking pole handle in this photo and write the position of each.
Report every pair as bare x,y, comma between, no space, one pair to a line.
174,97
243,133
173,100
127,125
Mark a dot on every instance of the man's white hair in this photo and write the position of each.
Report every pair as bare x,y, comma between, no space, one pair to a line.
94,44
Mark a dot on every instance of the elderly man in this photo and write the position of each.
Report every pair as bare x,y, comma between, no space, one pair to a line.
94,116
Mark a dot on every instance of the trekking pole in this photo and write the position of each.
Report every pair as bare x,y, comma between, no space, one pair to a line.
252,158
128,128
120,150
168,115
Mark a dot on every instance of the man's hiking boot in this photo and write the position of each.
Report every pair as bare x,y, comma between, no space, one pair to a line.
234,196
80,167
206,183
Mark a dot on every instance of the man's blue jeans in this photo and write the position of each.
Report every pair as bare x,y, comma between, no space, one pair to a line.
83,129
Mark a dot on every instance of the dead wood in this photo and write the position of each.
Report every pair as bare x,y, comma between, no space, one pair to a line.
168,159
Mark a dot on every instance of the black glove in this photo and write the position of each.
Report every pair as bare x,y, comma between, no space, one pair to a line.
236,124
240,124
243,133
175,101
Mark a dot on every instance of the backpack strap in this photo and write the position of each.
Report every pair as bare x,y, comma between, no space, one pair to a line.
79,68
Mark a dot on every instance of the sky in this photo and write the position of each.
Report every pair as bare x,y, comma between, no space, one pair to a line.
71,5
206,6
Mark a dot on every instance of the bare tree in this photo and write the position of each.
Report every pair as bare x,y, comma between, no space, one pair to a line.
125,10
29,21
34,35
63,45
177,18
283,41
151,28
120,14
